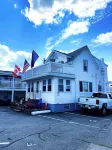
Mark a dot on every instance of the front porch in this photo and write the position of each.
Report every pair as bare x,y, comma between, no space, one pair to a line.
54,83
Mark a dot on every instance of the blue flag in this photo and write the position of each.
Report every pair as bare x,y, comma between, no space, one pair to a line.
34,58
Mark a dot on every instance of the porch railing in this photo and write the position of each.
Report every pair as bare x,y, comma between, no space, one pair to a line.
48,68
9,84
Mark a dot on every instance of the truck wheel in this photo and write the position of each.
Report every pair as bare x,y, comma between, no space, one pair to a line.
104,111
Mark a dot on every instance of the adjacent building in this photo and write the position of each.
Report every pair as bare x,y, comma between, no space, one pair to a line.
10,90
64,77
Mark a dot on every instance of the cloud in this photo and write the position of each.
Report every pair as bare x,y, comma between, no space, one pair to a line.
48,42
74,28
77,41
15,5
52,11
8,58
103,39
93,52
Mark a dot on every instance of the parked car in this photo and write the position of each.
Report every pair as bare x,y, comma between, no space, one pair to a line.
98,101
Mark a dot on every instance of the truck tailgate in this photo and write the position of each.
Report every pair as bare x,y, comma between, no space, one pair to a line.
88,101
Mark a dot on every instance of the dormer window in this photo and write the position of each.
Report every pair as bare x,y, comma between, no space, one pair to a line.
52,60
68,59
85,65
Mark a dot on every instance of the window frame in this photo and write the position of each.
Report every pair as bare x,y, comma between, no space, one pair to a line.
29,87
49,85
44,86
84,60
99,87
81,86
61,85
69,85
37,86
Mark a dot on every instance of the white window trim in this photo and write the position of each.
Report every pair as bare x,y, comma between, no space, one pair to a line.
44,85
88,87
83,65
66,85
50,84
63,85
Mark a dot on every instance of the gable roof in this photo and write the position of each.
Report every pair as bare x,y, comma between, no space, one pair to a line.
77,52
74,54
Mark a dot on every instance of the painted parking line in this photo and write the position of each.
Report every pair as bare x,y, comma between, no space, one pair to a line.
4,143
85,116
70,122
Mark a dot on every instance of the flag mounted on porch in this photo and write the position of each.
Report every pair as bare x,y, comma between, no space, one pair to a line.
16,71
34,58
26,65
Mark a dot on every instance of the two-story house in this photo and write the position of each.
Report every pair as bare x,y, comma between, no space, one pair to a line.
64,77
10,90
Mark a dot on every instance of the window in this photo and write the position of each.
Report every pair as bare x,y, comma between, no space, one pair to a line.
52,60
60,85
32,88
85,86
99,88
85,65
90,87
37,87
28,87
49,84
44,85
68,59
104,96
68,85
81,87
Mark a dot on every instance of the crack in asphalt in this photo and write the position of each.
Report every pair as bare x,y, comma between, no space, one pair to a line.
39,136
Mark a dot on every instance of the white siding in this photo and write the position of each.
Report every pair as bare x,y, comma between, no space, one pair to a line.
93,75
64,97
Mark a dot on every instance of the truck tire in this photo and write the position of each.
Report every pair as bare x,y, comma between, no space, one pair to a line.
104,111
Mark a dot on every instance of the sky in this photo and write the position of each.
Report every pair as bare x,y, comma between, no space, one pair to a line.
45,25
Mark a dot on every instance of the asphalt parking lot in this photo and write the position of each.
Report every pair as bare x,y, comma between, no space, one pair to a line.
59,131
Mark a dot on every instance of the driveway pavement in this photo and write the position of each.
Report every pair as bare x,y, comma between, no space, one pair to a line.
59,131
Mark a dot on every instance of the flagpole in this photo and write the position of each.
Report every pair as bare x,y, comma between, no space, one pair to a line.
41,59
12,89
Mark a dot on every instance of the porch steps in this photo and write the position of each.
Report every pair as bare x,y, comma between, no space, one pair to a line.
40,112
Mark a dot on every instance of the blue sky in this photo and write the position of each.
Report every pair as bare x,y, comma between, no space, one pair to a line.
44,25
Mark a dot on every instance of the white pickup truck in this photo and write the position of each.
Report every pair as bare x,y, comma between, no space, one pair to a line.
98,101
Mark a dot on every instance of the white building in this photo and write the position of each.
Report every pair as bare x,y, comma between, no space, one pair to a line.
65,77
8,90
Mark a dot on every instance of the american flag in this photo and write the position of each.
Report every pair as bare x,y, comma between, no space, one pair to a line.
26,65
